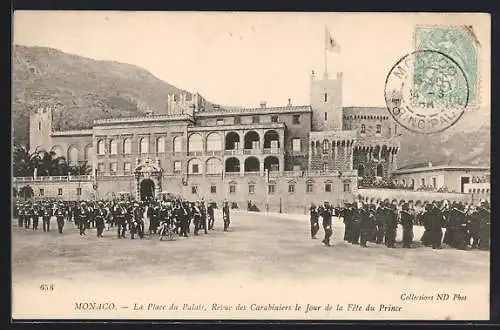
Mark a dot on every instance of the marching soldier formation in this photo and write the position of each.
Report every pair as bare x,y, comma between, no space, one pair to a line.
466,226
165,217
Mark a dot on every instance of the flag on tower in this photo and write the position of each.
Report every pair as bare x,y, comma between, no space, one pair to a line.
330,43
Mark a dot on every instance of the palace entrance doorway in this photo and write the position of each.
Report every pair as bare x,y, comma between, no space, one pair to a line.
147,190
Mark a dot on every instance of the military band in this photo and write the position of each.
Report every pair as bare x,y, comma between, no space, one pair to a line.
175,215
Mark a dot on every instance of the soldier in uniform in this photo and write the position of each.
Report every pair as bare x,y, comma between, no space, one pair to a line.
120,214
380,220
99,218
484,215
407,224
314,219
327,213
28,214
355,223
20,215
211,216
391,226
60,213
196,218
46,214
225,216
436,220
83,218
203,217
366,219
37,214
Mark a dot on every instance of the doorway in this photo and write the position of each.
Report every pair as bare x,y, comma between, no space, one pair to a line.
147,189
463,180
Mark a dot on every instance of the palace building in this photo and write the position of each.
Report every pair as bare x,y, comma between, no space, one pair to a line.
275,157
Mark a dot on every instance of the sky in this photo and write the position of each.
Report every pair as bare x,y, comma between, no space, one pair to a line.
241,59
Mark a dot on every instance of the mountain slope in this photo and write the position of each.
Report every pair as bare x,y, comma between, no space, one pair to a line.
84,89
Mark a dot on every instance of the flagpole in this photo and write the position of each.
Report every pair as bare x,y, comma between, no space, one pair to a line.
326,64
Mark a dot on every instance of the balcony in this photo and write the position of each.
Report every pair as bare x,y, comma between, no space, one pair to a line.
233,152
70,178
252,173
273,151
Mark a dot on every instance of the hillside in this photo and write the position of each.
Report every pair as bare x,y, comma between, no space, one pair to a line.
87,89
84,89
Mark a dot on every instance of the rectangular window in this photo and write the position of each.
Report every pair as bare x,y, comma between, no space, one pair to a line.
296,145
195,168
59,191
347,187
220,122
41,191
326,116
194,190
296,119
255,119
78,191
274,119
379,128
177,167
309,188
291,188
251,188
326,98
232,188
423,182
328,187
127,167
271,189
213,189
434,184
112,167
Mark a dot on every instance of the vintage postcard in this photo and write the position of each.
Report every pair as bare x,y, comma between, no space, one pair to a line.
225,165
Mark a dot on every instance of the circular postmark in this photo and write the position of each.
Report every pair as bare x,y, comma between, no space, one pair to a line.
426,91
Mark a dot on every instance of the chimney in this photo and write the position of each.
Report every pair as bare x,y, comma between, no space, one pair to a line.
289,102
263,104
430,164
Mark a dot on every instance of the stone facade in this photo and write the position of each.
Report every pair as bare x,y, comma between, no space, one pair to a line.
274,156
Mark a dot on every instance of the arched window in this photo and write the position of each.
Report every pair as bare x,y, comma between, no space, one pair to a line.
326,146
380,170
195,143
214,166
127,146
89,153
177,144
160,145
113,147
100,147
214,142
72,155
144,145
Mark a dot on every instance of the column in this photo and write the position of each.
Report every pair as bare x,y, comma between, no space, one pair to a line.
346,149
261,165
336,151
351,161
395,159
379,153
242,165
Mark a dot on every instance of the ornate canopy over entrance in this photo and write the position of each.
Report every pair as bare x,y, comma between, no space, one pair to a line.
148,178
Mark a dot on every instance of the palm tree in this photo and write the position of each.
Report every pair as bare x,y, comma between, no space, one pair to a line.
24,161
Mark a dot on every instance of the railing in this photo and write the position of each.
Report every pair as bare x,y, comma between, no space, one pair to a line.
272,151
232,173
195,153
233,152
53,178
252,173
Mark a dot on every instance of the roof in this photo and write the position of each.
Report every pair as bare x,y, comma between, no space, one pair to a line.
439,166
252,111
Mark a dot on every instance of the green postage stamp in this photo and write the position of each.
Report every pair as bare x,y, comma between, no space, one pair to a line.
460,46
